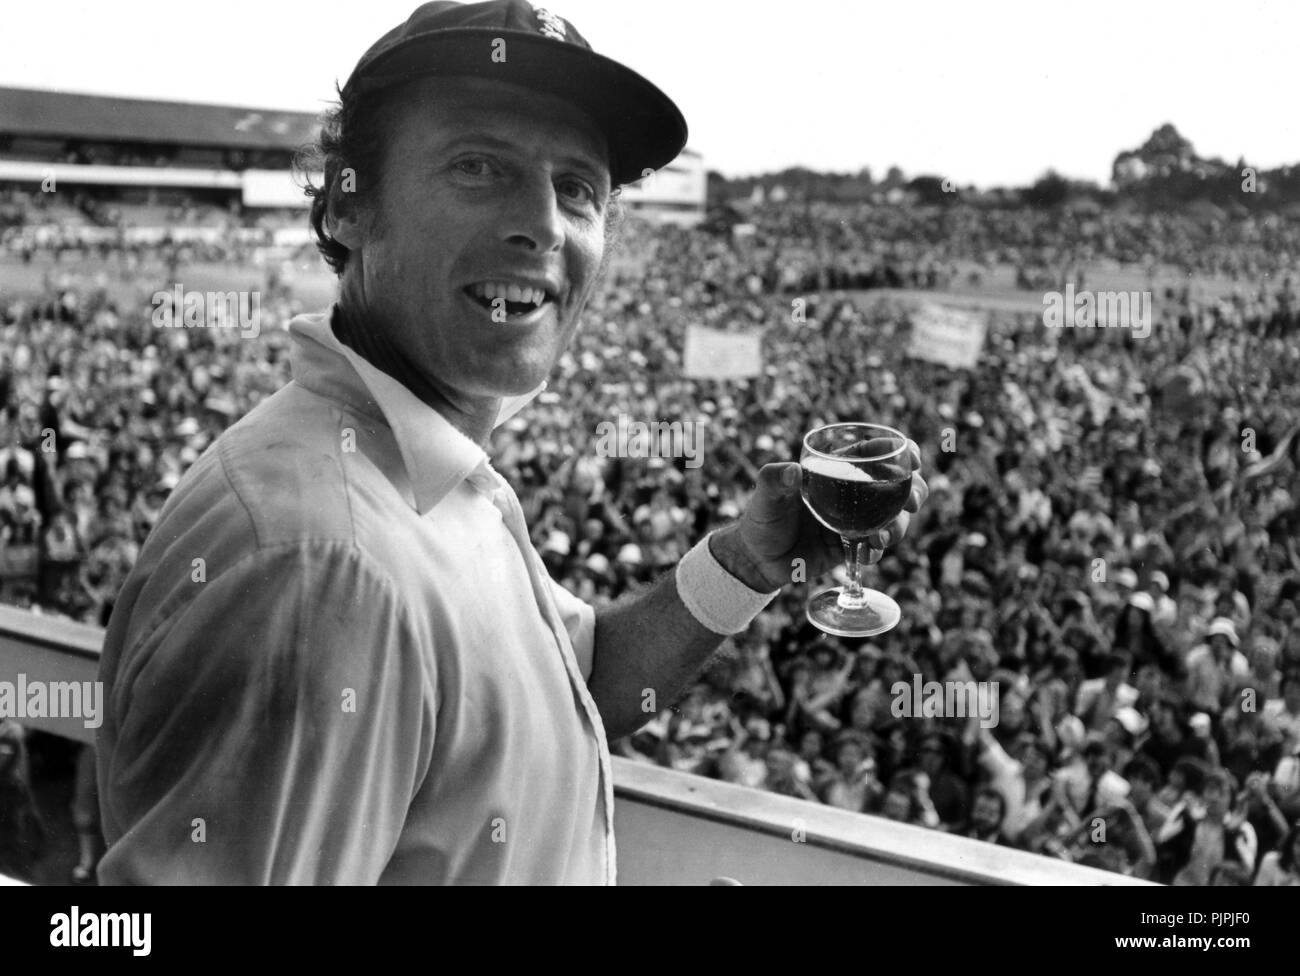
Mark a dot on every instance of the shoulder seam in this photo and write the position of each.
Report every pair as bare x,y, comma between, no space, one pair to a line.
340,411
222,448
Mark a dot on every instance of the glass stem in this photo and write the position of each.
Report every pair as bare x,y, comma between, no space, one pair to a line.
851,597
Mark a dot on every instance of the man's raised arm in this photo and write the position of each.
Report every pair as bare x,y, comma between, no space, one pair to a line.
655,645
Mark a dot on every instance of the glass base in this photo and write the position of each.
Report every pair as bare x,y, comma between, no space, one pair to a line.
878,613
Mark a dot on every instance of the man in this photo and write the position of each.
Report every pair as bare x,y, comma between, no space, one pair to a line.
1165,607
1024,784
1283,713
1216,667
1086,786
1199,836
1144,781
1100,698
339,658
946,789
852,783
987,815
23,836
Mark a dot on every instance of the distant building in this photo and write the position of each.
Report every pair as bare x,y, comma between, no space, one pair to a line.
143,156
152,151
675,194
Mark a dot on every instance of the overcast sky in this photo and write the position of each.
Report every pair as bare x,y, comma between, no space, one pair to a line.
988,92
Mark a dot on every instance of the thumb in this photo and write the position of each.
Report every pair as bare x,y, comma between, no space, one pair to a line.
778,485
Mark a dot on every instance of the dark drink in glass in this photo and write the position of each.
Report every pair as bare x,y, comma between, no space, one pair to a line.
849,500
856,479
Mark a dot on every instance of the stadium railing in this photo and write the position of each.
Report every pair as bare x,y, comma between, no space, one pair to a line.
671,827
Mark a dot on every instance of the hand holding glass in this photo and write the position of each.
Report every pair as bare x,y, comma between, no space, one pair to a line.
857,478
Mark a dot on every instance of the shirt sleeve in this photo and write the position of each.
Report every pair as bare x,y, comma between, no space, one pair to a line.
273,729
579,619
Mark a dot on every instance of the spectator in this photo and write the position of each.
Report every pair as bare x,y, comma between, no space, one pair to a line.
1283,713
944,787
1281,868
1203,833
1089,783
987,816
907,801
853,785
1100,698
1213,667
22,830
1144,778
1024,784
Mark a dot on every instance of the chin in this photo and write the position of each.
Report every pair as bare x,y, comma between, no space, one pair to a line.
517,374
503,384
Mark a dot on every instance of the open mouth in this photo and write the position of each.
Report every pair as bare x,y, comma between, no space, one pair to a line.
516,301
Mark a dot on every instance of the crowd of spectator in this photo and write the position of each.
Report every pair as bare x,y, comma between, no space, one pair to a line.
1111,535
125,238
817,246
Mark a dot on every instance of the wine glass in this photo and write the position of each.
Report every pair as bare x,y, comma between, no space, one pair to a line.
856,478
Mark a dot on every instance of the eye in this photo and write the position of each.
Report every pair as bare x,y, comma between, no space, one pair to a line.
578,190
473,166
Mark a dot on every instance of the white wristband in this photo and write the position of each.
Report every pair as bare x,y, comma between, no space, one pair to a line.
715,597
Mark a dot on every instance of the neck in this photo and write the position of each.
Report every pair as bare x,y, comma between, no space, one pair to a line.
472,416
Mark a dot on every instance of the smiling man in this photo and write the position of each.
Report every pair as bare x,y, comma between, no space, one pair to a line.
339,658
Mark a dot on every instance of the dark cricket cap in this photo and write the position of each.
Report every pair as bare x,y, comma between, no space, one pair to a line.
645,130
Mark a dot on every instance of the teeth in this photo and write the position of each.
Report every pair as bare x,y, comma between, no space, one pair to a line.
510,292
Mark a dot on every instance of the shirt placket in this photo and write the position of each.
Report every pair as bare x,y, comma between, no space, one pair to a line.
506,503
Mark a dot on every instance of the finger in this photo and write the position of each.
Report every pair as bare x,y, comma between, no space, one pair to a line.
914,452
891,533
778,477
920,492
777,485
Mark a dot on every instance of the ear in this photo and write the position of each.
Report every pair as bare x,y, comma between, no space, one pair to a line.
345,215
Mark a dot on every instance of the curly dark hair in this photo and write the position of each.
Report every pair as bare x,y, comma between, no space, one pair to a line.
352,140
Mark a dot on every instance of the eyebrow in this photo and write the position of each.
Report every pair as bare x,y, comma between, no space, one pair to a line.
585,162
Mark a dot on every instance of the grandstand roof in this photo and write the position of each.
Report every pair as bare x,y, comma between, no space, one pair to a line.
67,115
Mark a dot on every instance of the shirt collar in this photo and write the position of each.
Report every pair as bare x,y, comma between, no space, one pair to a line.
436,455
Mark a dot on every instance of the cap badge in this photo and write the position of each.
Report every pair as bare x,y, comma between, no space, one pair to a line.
549,24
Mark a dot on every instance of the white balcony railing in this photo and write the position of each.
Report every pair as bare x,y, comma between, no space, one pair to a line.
671,828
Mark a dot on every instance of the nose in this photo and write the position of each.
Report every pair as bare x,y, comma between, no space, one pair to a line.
533,220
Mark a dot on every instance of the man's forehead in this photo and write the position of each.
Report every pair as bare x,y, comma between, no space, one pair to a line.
458,108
